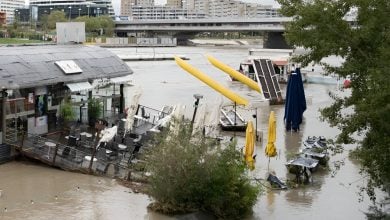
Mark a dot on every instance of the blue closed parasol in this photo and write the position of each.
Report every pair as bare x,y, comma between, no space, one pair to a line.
295,101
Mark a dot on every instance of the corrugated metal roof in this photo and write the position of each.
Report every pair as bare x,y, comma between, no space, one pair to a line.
31,66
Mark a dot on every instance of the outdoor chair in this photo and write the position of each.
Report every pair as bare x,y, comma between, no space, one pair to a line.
83,138
129,141
118,139
109,145
143,114
121,124
101,154
114,146
72,141
66,152
132,135
137,147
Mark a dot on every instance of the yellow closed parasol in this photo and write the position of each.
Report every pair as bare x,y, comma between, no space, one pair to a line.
270,149
249,151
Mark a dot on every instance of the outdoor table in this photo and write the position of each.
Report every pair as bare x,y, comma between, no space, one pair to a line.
83,136
88,136
50,145
88,158
122,147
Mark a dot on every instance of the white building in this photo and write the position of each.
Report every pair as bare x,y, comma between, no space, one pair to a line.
9,6
234,9
127,5
162,12
145,9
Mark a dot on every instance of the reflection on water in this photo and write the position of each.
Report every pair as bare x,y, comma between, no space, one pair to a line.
293,141
58,194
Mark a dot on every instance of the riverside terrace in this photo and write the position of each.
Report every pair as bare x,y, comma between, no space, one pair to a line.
36,80
110,151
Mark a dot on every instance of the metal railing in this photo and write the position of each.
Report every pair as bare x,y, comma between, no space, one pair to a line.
83,157
150,115
18,107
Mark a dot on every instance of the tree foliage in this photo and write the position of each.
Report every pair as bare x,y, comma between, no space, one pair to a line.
363,116
53,18
66,111
95,108
190,173
94,24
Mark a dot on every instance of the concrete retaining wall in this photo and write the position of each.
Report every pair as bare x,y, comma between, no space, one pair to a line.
164,41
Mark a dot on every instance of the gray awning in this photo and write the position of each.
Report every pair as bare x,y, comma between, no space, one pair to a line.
79,86
122,79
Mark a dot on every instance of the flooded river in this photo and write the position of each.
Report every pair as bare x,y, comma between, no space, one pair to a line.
30,191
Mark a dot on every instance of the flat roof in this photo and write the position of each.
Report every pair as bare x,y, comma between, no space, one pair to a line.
32,66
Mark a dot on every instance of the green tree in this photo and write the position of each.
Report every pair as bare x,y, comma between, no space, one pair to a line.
95,108
91,23
190,173
44,20
107,24
363,117
54,17
94,24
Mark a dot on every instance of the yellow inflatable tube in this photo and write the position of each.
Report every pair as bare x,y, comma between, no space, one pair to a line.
234,73
210,82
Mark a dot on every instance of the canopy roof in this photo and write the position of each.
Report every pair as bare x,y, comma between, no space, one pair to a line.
32,66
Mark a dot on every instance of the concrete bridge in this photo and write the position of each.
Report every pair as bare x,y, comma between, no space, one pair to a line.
187,28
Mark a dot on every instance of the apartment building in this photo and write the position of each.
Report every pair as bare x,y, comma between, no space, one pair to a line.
8,7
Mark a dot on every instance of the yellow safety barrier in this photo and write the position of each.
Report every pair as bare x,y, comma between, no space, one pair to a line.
234,73
210,82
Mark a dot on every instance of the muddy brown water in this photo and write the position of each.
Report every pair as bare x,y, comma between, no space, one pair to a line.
31,191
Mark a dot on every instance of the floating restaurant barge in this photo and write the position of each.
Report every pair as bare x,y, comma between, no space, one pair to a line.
37,80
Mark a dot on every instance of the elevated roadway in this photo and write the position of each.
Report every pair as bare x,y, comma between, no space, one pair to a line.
184,29
274,24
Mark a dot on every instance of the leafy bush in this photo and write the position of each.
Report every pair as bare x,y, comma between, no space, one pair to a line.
66,111
191,173
94,108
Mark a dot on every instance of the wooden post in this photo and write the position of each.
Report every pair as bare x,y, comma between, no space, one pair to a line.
95,142
4,114
121,99
22,144
235,119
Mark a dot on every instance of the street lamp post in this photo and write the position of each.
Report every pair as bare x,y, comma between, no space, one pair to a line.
79,11
15,17
88,10
196,104
255,117
98,10
70,12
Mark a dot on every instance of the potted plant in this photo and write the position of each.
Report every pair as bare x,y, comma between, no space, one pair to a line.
94,110
66,113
